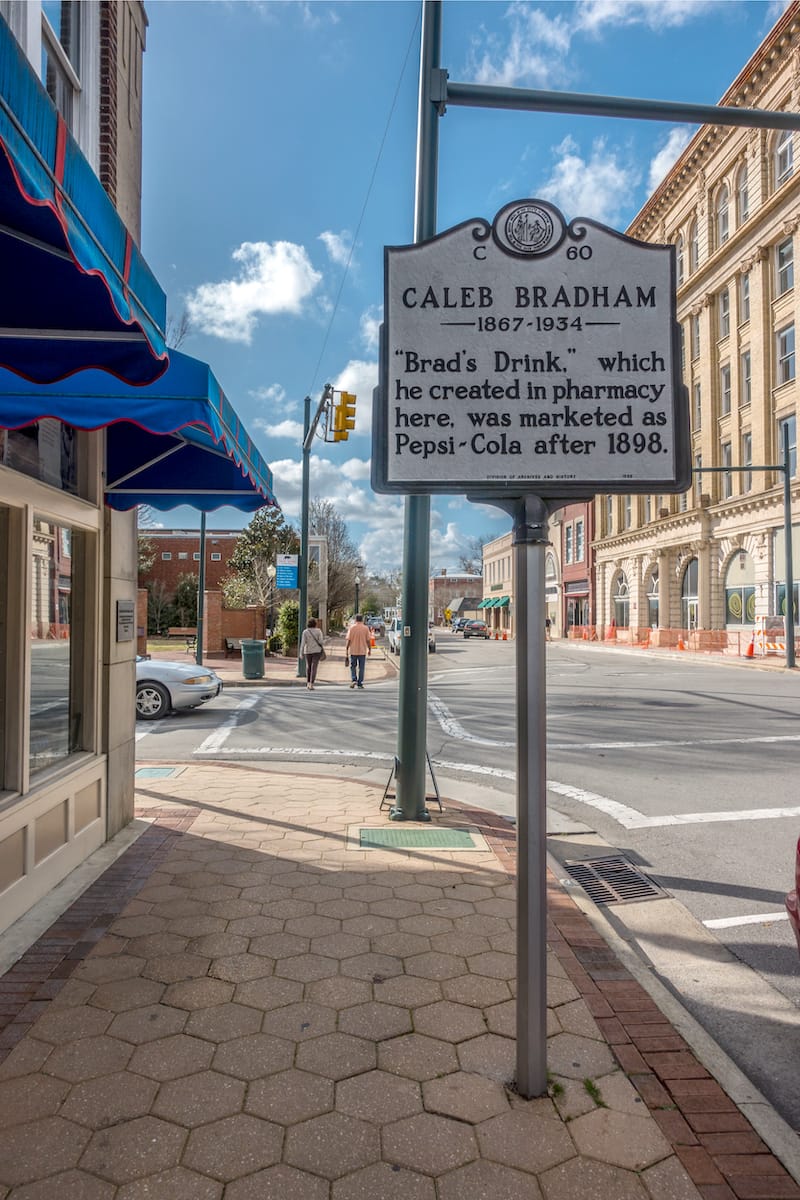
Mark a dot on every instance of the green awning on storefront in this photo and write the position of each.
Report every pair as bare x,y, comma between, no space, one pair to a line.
503,602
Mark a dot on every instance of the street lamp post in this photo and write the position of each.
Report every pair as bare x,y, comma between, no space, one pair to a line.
358,581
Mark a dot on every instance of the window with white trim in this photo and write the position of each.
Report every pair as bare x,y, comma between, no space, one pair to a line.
789,424
747,461
698,405
784,157
166,555
724,313
784,355
722,217
725,389
742,195
216,557
727,476
745,380
784,266
579,541
744,298
567,543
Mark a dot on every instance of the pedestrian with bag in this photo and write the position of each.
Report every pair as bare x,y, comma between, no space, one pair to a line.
312,647
356,648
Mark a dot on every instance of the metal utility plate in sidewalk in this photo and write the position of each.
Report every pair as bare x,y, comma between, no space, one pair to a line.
411,837
613,880
158,772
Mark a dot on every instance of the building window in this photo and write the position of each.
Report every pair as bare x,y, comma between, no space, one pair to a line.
689,598
59,643
744,299
727,476
60,54
196,556
724,313
183,554
652,600
784,157
740,592
216,557
628,509
790,425
698,405
680,255
648,508
742,195
784,267
47,450
747,461
722,223
683,502
568,543
725,390
166,556
695,335
609,514
784,367
694,247
579,541
698,478
621,603
682,342
745,380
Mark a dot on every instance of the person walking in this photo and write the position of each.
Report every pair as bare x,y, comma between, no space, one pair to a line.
313,649
357,646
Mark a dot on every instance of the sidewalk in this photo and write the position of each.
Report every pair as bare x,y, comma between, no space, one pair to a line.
252,1004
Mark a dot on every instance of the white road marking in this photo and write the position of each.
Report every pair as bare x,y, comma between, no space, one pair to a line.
216,740
145,729
752,919
454,728
740,741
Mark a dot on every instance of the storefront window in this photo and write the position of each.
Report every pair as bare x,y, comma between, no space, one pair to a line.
622,603
689,599
652,601
48,451
58,645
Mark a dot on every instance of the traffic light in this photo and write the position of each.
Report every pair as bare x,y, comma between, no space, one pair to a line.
343,416
348,409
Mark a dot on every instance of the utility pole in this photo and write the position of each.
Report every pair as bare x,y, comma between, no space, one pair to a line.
309,429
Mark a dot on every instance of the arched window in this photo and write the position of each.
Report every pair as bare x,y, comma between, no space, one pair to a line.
784,157
689,600
742,195
621,602
740,590
722,226
652,600
694,247
680,255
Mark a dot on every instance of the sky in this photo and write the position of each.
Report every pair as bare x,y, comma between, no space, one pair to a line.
279,160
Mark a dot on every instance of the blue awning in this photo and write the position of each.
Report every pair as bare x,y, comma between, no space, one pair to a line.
75,290
172,442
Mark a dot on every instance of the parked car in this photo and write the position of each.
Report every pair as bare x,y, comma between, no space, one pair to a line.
792,899
476,629
162,687
458,624
394,635
376,625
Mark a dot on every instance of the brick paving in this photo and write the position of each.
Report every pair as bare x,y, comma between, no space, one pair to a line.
245,1006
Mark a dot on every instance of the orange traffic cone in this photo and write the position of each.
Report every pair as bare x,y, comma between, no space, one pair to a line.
681,645
371,640
750,652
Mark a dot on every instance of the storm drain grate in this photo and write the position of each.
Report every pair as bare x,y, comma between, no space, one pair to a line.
613,880
413,839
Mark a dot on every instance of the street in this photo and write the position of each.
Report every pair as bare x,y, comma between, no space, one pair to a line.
687,768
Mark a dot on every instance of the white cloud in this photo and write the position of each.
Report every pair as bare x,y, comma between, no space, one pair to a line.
370,326
274,393
283,429
677,139
535,52
593,16
599,187
272,277
338,245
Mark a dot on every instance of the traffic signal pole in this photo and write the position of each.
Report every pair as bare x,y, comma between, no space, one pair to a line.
412,724
309,429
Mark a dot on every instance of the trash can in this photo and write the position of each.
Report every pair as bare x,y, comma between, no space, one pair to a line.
253,658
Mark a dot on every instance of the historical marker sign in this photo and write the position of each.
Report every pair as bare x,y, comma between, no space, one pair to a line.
286,570
530,356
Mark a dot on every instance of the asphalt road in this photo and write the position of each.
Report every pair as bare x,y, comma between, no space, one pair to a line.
687,768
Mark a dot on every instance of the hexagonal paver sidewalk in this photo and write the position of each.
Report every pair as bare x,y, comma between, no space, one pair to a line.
274,1015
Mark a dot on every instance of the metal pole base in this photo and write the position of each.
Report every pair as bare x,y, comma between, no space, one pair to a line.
397,814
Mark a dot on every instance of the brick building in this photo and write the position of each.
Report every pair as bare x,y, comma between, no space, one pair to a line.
178,553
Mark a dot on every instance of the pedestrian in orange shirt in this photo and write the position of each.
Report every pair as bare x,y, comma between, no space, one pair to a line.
357,646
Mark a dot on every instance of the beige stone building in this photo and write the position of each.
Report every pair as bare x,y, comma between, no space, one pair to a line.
702,567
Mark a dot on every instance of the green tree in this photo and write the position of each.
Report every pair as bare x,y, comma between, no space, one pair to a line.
249,580
185,600
289,626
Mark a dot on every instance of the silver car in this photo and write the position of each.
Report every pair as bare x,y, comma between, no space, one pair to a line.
162,687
